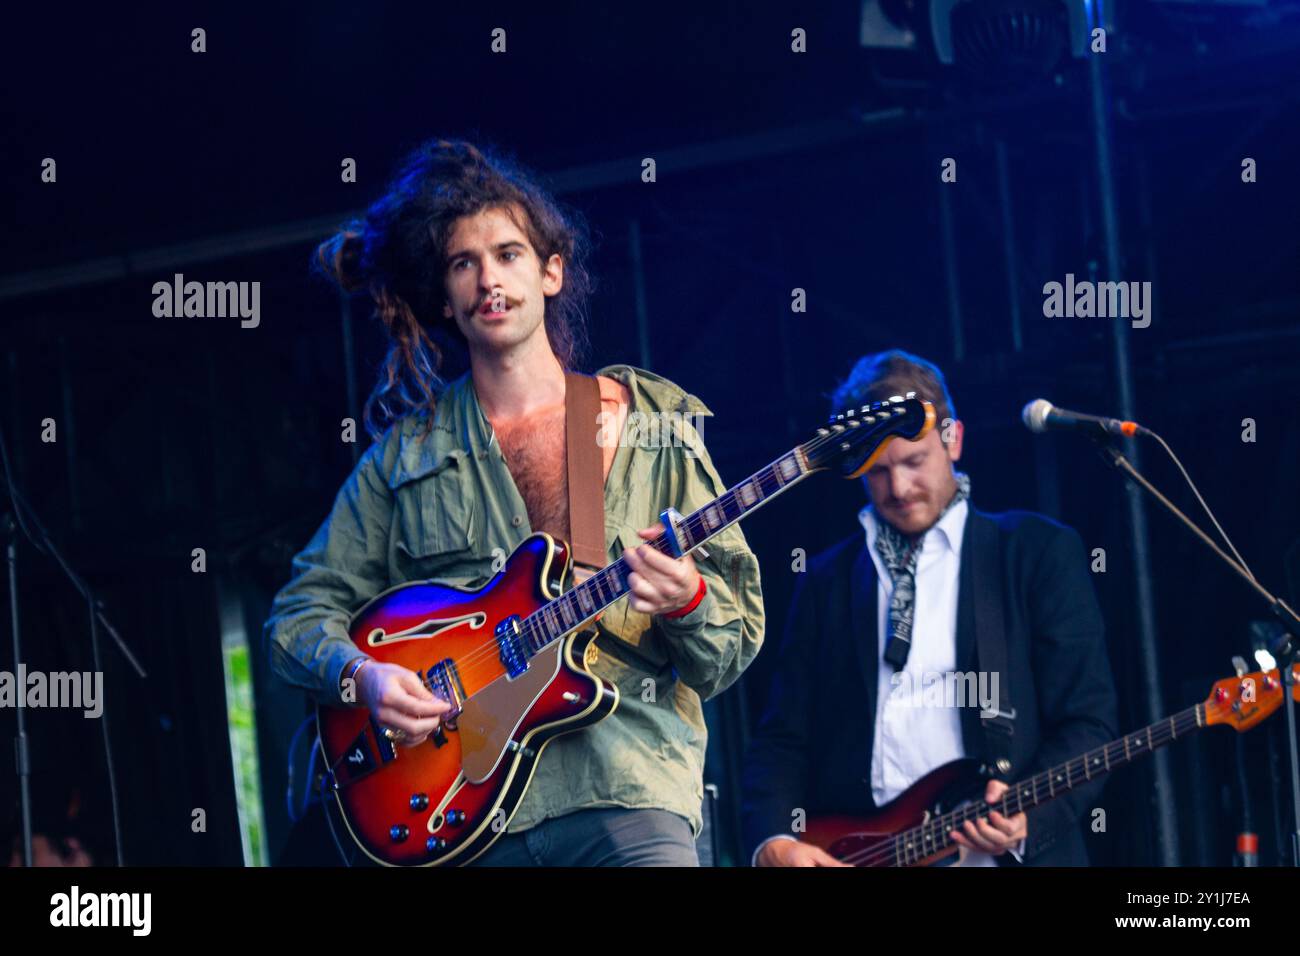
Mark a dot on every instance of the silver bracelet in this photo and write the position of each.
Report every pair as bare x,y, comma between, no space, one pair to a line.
357,664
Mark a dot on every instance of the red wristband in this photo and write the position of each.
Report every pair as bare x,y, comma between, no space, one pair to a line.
695,602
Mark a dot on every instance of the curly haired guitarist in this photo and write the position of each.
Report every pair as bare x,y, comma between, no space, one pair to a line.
466,254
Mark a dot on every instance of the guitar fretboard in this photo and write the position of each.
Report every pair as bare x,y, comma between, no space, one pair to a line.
912,846
553,620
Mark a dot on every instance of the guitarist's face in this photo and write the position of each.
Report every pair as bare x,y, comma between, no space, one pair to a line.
912,482
496,286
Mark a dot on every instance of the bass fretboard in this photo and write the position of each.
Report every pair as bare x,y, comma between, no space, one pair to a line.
912,846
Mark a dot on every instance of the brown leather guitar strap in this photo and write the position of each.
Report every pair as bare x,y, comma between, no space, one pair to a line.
586,472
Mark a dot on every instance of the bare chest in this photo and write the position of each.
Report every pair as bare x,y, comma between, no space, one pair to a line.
534,451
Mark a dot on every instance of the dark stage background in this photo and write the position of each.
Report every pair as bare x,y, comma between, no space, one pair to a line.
775,171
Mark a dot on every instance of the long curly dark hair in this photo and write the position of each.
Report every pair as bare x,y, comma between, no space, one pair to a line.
397,252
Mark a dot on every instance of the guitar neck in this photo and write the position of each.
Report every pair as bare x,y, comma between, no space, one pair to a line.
561,616
912,846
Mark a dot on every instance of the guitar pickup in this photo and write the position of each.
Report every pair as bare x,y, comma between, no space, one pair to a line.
512,647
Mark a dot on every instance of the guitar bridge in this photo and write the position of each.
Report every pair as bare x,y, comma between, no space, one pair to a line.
443,680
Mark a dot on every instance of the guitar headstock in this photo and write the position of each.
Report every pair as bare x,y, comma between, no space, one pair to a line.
1242,702
851,440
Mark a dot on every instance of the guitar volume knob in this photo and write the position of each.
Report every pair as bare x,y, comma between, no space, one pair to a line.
419,801
398,832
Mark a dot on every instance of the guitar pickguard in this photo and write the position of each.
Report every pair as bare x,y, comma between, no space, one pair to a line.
491,717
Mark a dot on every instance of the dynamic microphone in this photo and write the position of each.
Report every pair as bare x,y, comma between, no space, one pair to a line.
1040,415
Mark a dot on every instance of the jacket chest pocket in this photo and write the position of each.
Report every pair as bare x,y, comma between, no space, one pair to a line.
437,521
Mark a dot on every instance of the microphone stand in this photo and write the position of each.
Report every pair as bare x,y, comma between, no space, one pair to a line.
24,518
1283,649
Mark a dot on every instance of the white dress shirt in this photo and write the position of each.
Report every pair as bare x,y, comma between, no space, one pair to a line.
911,740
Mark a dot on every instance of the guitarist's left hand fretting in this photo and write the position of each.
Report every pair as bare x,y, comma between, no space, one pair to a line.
994,834
659,584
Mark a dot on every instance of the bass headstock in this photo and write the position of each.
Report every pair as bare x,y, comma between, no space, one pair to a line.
852,440
1242,702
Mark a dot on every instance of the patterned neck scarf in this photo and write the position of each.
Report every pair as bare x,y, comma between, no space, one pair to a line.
899,552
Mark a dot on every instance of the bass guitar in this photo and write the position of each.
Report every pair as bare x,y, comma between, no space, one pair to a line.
914,828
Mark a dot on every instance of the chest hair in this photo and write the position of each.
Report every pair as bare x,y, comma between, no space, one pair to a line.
535,455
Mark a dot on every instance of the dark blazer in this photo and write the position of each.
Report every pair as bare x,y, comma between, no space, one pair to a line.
812,748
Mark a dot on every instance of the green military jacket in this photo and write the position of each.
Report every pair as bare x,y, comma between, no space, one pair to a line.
438,505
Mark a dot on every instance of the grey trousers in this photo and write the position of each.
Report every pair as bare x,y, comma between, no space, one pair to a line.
606,836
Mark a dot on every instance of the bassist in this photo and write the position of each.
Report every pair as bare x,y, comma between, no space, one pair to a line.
930,587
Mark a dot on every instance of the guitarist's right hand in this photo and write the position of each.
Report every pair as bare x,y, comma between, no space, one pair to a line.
795,853
398,699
